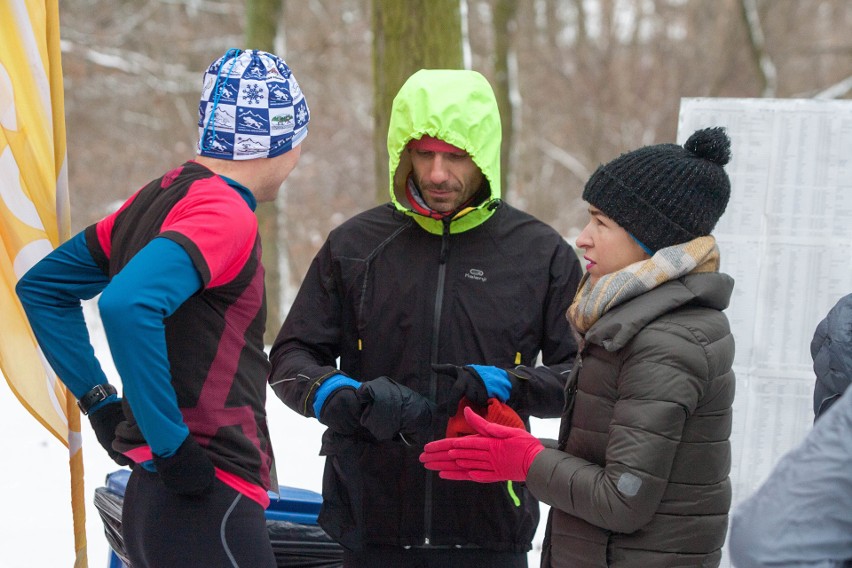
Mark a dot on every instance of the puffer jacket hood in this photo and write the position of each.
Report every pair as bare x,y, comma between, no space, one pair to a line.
460,108
831,349
707,291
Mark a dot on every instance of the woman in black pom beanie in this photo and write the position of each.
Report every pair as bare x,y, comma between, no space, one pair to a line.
639,476
642,475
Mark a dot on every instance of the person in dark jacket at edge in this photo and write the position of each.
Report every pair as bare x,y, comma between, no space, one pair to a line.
639,476
801,515
182,301
443,298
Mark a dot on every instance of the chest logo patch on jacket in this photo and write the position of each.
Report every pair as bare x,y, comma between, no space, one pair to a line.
475,274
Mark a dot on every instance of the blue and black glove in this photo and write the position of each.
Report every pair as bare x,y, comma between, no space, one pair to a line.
337,406
476,382
382,407
342,411
104,420
188,471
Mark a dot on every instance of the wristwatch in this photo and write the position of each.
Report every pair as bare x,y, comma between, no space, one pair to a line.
96,395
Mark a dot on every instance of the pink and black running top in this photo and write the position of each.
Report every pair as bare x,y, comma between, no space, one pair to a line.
214,339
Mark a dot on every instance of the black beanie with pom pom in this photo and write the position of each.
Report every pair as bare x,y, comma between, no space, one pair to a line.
666,194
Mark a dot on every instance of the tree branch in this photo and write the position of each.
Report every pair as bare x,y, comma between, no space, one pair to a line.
562,157
756,41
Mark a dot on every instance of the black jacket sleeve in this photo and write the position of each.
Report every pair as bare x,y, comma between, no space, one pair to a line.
543,386
304,353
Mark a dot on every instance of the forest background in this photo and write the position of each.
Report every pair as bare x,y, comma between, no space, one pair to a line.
579,81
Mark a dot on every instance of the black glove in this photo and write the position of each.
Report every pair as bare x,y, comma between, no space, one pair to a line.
391,409
189,471
476,382
468,384
341,411
104,421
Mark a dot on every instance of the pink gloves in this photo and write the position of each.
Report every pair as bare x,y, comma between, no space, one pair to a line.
494,453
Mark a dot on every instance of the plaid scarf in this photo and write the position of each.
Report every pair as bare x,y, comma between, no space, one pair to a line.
670,263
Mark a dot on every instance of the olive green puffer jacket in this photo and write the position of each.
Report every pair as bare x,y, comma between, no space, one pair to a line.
640,478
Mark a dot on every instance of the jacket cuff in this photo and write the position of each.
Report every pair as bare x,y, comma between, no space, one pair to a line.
540,474
330,385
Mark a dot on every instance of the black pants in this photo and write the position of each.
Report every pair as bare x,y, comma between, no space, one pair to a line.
398,557
221,528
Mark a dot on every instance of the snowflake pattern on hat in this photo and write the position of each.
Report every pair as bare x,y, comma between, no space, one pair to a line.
251,107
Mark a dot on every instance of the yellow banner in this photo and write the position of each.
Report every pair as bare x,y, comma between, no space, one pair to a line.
34,216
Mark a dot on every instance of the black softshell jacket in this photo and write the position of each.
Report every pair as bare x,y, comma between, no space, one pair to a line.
385,297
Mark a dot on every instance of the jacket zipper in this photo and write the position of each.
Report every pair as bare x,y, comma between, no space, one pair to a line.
433,378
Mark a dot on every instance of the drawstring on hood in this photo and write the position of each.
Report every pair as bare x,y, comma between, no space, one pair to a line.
419,205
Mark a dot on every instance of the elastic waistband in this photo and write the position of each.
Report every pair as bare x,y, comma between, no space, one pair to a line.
144,457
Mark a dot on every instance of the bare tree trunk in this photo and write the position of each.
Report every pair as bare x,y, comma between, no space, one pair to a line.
765,67
262,17
408,36
504,31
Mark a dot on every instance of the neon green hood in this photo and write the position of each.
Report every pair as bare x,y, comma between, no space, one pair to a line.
458,107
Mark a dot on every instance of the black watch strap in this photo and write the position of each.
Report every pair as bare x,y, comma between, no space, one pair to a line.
96,395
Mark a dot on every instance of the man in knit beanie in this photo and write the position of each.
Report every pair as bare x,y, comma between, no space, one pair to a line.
639,476
178,269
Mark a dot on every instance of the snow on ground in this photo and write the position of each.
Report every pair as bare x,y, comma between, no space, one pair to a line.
35,523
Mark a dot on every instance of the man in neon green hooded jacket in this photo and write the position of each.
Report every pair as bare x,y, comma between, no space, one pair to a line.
442,297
